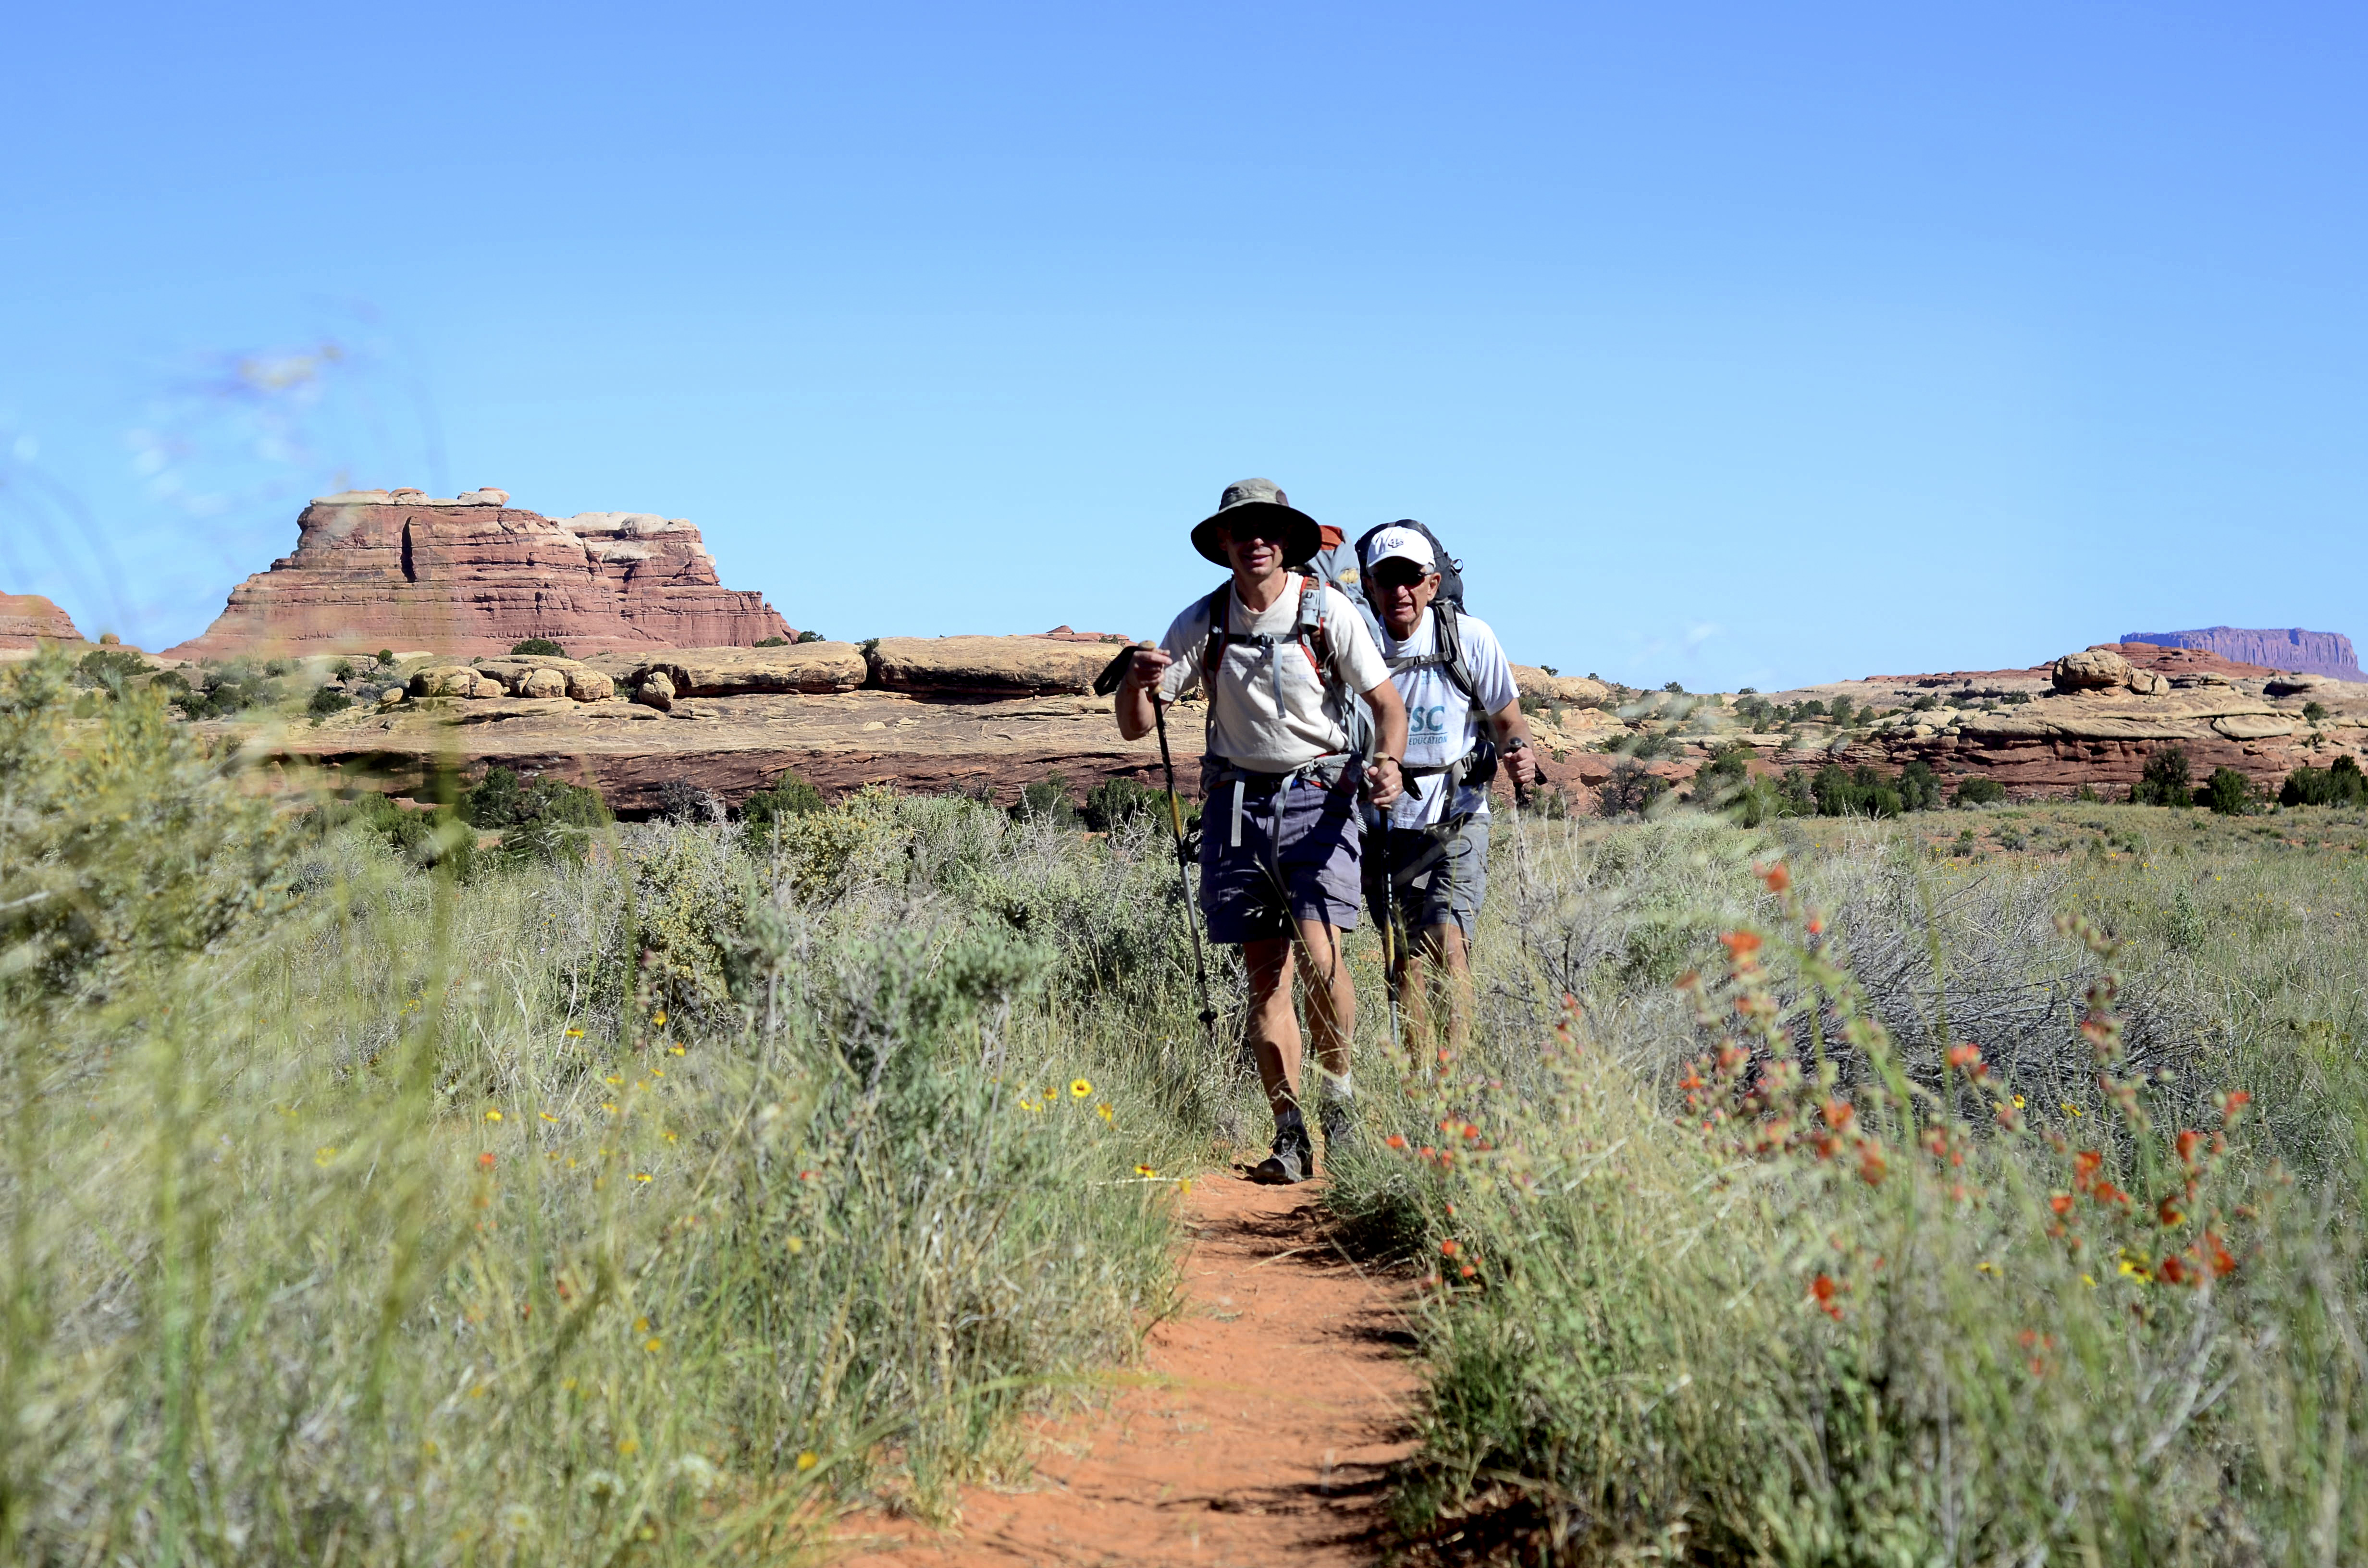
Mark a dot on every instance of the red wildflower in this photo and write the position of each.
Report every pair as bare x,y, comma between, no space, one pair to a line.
486,1160
1467,1271
2232,1102
2171,1271
2106,1192
1450,1247
2168,1211
1740,944
1838,1113
2061,1202
1822,1289
1871,1165
1961,1056
2188,1141
1777,878
1395,1140
2217,1256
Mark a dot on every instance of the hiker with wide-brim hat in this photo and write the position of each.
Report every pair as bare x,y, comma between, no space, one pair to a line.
1283,659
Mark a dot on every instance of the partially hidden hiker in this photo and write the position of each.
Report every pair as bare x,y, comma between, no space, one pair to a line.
1284,658
1427,858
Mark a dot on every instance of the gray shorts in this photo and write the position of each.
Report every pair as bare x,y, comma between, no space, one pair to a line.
1297,860
1438,884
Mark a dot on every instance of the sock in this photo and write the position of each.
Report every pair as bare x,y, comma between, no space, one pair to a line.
1289,1119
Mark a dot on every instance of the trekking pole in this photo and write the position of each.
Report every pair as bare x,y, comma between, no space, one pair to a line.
1390,937
1184,877
1104,685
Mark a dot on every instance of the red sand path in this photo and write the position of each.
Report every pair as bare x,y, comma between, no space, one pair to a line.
1271,1408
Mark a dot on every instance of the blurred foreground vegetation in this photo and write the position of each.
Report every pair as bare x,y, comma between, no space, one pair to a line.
612,1193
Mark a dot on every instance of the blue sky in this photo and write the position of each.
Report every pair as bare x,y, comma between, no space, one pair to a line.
1734,345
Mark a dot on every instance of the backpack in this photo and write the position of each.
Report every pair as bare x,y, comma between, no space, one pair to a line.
1479,765
1308,631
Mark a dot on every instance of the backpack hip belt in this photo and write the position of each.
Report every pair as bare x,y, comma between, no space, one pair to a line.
1326,772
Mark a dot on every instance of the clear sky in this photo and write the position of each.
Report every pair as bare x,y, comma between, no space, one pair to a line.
1729,344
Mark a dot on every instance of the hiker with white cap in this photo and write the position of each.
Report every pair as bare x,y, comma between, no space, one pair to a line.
1283,657
1427,863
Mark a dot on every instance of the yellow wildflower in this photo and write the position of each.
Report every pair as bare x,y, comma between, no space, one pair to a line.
797,1244
1079,1088
640,1176
808,1460
576,1034
654,1345
1146,1172
493,1116
1103,1111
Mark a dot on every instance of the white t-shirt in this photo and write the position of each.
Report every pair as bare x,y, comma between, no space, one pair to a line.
1272,711
1440,723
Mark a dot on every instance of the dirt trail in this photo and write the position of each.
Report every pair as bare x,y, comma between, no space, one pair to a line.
1271,1408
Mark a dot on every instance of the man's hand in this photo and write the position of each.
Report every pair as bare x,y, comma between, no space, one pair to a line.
1135,702
1521,765
1384,782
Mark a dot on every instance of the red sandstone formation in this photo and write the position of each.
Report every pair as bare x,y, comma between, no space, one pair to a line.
473,575
2292,648
28,621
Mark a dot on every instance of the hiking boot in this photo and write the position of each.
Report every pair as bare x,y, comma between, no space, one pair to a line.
1339,1119
1289,1163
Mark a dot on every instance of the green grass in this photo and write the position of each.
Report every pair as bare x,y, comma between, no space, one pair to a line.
645,1209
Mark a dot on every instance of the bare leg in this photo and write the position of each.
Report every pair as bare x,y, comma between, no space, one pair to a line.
1439,947
1274,1024
1331,995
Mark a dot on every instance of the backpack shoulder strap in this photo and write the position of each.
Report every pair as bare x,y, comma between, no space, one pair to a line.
1448,638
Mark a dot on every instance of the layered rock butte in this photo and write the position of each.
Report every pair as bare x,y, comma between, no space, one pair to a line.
472,574
2306,652
28,621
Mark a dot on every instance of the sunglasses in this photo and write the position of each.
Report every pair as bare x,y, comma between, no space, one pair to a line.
1399,573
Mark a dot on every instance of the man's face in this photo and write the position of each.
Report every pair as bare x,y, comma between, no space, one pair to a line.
1255,548
1401,592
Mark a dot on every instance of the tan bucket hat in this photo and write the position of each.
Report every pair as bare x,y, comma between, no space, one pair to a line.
1262,500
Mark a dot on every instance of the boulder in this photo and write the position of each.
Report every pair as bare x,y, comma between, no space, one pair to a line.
1571,692
656,690
1001,667
812,668
590,685
444,680
472,574
542,684
2094,669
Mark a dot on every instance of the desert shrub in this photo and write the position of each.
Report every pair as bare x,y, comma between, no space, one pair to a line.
2341,785
1854,792
772,643
1630,789
421,836
386,658
2165,780
1924,704
1840,710
789,796
110,667
1979,789
543,646
2314,712
810,635
685,798
123,844
1115,802
542,819
2228,793
1047,801
328,700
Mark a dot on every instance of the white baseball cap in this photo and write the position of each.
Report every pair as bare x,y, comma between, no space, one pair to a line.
1408,544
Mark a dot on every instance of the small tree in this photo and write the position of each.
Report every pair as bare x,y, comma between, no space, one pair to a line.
540,646
2228,793
810,635
790,796
2165,781
1629,789
1920,790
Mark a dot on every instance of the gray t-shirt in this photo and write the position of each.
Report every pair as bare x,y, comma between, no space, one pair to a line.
1271,710
1440,723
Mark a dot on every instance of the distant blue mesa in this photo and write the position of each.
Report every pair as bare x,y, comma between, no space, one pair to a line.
2306,652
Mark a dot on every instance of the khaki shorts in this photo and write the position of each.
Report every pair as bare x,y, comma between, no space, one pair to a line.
1436,884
